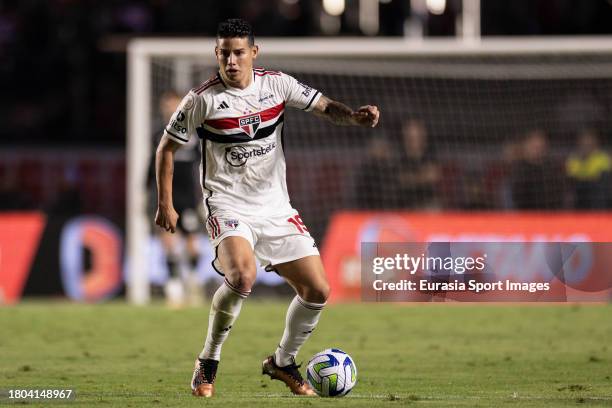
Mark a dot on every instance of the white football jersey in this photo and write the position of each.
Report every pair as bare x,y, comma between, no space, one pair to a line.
243,163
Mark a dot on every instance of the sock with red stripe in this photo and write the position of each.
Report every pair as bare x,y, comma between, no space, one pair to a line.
225,308
302,318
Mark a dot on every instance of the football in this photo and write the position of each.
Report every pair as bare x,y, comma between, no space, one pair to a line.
331,373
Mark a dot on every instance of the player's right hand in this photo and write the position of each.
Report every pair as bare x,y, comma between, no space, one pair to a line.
166,217
366,116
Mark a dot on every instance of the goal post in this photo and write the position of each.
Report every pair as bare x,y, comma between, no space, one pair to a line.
431,77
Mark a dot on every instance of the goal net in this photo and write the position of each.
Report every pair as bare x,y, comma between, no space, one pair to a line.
490,125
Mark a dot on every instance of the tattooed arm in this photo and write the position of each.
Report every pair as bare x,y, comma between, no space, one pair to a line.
340,114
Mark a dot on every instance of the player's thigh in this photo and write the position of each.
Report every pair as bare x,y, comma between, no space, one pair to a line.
237,260
307,276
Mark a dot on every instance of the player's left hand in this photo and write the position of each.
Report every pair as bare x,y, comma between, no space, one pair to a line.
366,116
166,217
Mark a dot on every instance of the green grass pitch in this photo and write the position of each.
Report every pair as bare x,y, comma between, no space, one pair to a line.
432,355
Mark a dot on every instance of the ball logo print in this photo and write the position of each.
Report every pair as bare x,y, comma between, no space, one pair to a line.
331,373
236,156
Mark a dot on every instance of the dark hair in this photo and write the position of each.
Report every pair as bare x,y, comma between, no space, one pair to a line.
235,28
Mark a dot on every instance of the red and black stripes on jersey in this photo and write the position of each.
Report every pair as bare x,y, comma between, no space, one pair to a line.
233,123
214,80
228,130
240,137
262,72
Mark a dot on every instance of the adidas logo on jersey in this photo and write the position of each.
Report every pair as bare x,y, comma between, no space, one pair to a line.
223,105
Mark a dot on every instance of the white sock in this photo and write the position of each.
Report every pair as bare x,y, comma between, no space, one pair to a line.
302,318
225,308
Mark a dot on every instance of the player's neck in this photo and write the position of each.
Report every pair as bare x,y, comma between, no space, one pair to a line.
242,84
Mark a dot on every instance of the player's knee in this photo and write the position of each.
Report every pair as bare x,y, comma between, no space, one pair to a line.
242,276
316,294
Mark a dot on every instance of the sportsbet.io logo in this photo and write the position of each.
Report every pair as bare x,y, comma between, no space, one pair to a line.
306,90
177,124
237,156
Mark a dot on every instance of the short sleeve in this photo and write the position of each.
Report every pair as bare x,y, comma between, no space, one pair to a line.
299,95
188,116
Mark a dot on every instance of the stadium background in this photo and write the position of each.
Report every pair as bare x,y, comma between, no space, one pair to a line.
499,143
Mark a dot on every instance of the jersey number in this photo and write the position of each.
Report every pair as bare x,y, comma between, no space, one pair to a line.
299,224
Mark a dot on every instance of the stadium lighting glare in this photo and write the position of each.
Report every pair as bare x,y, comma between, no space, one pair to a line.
436,7
334,7
330,25
368,16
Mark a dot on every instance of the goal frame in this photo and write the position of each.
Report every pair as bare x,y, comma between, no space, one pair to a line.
141,51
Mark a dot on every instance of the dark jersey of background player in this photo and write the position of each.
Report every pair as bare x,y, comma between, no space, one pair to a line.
184,183
418,173
536,181
184,187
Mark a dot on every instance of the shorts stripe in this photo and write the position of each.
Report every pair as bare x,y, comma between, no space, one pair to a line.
214,226
212,235
217,226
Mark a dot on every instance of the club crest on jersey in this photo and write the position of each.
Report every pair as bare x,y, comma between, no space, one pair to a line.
249,124
231,223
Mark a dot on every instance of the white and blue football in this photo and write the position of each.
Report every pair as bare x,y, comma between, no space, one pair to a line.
331,373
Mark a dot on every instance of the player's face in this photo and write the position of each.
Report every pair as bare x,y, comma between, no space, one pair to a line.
235,57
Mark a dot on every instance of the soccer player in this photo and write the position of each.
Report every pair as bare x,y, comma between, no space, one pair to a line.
238,115
185,203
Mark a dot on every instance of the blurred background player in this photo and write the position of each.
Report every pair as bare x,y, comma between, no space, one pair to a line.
418,174
372,189
181,248
532,188
589,171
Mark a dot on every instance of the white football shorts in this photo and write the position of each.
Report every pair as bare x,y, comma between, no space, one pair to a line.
274,239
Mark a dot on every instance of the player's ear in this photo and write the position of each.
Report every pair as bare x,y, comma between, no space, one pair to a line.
216,51
255,50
